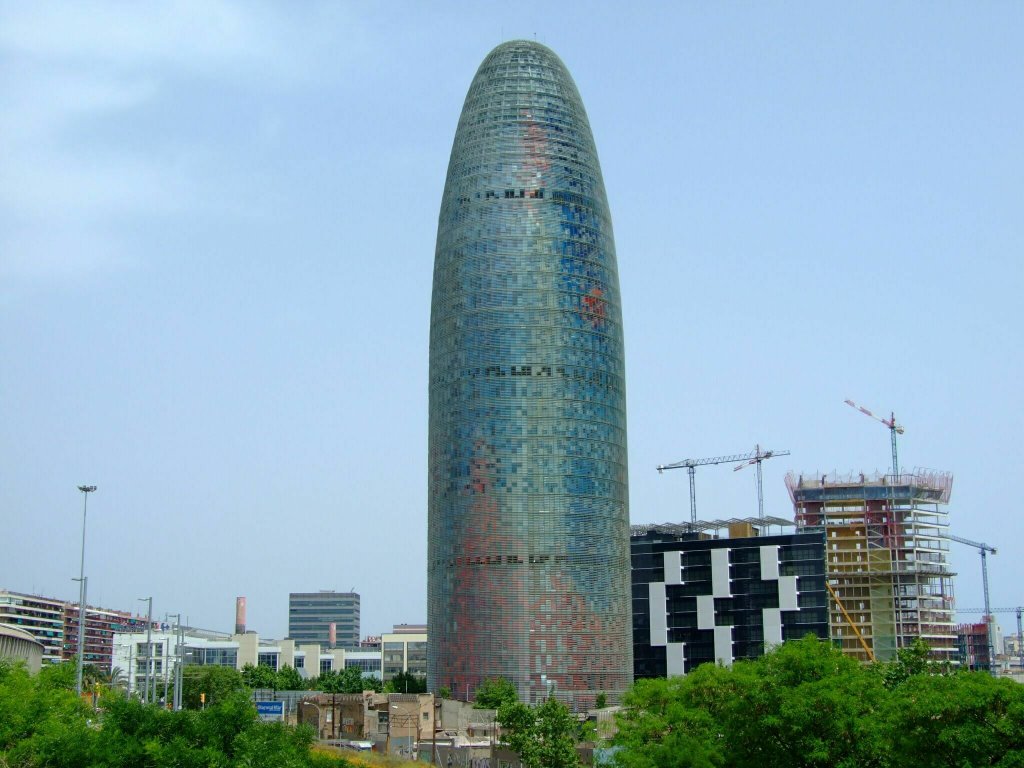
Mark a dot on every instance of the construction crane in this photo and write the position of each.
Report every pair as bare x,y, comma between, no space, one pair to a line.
756,458
1020,633
983,550
894,429
692,464
691,469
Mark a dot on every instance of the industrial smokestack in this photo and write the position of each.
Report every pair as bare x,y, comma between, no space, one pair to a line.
332,635
239,615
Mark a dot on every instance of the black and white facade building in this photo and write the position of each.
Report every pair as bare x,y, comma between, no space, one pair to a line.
698,599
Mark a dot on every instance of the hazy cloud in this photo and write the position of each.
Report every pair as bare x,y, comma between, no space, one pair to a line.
68,67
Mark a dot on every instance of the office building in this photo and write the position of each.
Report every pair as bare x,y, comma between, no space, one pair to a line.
703,597
528,523
404,649
326,617
203,647
886,556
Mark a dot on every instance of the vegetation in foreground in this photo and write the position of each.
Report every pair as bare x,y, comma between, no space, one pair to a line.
43,723
805,704
802,705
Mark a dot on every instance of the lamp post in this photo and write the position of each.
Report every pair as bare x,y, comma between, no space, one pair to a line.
86,490
83,594
149,644
319,717
179,660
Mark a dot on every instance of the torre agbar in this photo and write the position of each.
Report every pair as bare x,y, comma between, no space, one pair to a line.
528,554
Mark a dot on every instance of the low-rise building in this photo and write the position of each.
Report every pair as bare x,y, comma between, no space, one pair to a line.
19,645
41,617
404,649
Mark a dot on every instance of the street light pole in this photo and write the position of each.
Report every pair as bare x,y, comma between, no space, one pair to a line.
83,595
179,660
149,644
86,490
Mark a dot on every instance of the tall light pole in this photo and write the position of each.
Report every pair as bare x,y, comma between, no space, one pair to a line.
149,643
86,490
179,660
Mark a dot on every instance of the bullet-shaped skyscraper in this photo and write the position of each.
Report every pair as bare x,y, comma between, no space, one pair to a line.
528,554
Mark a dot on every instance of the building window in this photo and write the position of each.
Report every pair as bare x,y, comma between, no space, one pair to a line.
326,665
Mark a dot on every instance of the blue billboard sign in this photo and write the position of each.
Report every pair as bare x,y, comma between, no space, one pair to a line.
270,710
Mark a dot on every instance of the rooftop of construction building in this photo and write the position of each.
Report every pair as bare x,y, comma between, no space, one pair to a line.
920,485
734,527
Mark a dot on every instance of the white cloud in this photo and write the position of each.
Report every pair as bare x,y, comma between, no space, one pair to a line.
203,36
79,75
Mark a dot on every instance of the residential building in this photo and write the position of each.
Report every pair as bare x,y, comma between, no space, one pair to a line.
41,617
703,597
313,616
528,521
54,623
886,558
100,626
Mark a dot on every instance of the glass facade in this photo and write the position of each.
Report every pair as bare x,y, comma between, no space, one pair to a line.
310,615
757,592
528,555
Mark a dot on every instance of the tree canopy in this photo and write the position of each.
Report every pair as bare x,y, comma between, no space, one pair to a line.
43,723
493,692
406,682
805,704
216,682
544,736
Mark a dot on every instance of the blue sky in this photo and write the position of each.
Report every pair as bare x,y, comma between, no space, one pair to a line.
217,226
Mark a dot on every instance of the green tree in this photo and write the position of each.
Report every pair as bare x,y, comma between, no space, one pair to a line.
911,661
371,683
406,682
218,683
493,692
351,680
804,704
965,719
601,701
289,679
329,682
260,676
544,737
666,723
444,692
44,724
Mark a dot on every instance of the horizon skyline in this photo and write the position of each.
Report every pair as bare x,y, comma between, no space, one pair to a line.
216,233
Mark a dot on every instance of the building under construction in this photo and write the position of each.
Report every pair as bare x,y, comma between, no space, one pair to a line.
886,555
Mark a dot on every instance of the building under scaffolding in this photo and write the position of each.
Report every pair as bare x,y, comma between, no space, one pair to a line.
886,558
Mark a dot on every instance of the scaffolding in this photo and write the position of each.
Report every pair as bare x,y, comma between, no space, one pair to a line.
886,556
